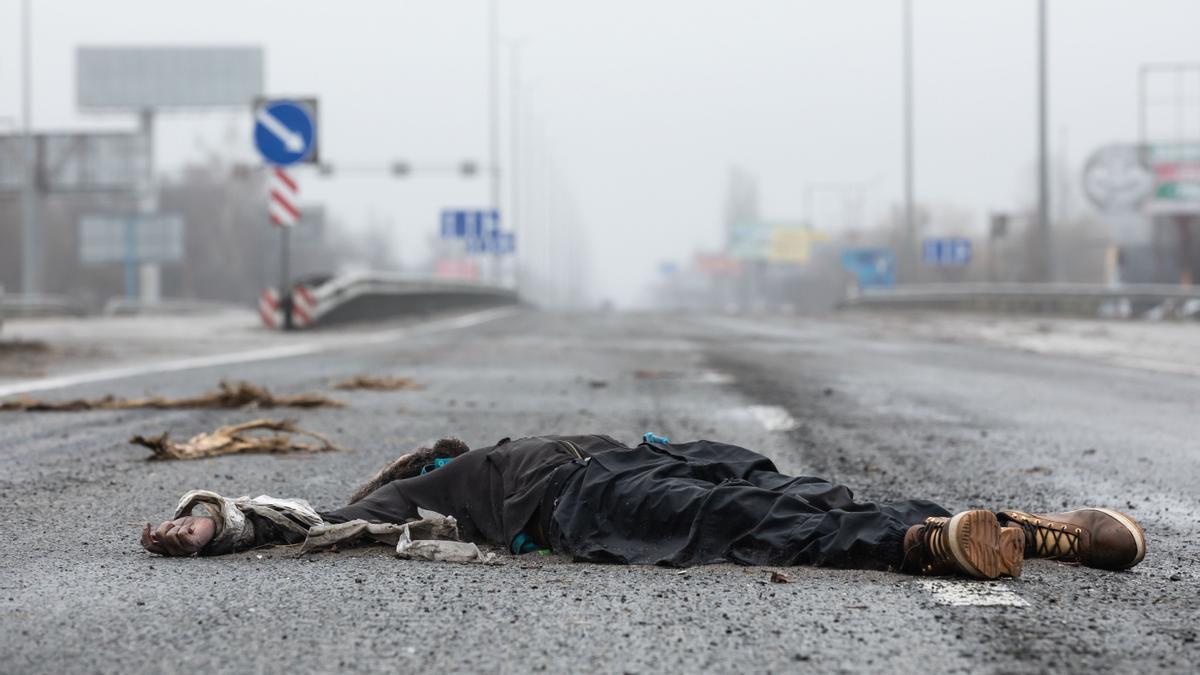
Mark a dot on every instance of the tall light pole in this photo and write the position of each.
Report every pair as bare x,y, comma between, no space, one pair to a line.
494,116
31,249
910,225
1045,257
514,148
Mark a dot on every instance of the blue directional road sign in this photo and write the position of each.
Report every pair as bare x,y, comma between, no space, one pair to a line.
871,267
284,132
495,242
946,252
469,223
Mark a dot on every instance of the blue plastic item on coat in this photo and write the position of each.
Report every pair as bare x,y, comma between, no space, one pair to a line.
649,437
437,464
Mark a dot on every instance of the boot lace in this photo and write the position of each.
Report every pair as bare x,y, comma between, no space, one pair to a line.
1053,537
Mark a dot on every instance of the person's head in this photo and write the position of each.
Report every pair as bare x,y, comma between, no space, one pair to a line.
179,537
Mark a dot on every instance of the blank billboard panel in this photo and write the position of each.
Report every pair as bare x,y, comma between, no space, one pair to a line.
168,77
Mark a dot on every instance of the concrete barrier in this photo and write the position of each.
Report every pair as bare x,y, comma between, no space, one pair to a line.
1152,301
377,296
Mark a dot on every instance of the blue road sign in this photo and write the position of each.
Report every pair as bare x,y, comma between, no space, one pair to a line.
469,223
284,132
494,242
946,252
480,230
871,267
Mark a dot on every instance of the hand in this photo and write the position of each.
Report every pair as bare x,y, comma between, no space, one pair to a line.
179,537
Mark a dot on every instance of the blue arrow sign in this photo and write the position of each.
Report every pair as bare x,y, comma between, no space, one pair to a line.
284,133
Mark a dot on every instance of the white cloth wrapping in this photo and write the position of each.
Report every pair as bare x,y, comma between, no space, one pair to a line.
234,531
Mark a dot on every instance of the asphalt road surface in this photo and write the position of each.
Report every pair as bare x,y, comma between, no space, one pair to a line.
968,426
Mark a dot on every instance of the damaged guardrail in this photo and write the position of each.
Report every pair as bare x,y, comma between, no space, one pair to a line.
374,296
1150,301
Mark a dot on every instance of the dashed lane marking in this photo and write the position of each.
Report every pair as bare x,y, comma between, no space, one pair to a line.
772,417
264,354
971,593
714,377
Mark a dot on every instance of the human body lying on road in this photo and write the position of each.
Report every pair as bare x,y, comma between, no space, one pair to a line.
679,504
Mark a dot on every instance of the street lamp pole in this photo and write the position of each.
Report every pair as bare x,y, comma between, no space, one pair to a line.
514,149
30,232
910,225
494,117
1045,258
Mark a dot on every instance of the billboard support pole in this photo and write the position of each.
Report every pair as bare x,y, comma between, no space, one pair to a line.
149,273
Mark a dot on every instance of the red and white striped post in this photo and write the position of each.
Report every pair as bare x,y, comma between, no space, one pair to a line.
281,205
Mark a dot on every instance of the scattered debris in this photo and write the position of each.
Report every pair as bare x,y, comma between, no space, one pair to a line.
235,440
1040,470
377,383
778,577
1089,451
327,537
228,395
598,384
440,550
22,347
649,374
24,358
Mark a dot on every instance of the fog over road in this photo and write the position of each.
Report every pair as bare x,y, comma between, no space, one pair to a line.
893,417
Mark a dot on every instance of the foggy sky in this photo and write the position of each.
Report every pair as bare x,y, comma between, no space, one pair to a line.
645,105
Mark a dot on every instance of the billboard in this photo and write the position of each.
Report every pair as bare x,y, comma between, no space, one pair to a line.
76,162
749,240
135,78
871,267
793,244
1176,169
130,237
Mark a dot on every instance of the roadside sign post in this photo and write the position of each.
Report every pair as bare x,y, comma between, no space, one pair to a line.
133,240
285,134
479,231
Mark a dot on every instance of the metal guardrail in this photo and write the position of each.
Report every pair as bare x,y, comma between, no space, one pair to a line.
1148,300
365,296
14,305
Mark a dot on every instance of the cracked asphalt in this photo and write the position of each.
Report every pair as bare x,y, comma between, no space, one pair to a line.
893,416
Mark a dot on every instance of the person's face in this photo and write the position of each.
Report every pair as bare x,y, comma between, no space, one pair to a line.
179,537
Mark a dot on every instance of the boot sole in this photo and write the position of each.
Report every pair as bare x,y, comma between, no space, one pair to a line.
979,547
1135,530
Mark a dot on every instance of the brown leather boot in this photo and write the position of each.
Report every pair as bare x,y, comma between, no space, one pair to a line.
1102,538
970,543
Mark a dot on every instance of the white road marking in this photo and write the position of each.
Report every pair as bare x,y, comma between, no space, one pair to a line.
293,141
964,593
255,355
714,377
772,417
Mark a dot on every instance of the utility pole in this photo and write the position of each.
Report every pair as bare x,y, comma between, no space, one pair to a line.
1045,257
908,259
514,149
31,234
494,117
